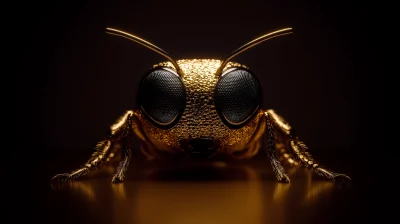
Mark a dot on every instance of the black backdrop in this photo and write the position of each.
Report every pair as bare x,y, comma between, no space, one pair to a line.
74,80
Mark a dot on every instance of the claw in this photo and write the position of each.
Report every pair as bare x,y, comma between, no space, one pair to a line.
338,177
284,179
116,179
63,177
334,177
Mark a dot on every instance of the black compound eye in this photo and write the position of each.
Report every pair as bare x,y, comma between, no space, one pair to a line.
237,97
162,97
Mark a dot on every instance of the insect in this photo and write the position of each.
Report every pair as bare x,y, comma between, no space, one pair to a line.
201,107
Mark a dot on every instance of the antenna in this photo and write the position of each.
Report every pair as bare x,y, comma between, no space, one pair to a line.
145,43
253,43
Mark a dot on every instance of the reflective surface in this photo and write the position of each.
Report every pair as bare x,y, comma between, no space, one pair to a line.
200,191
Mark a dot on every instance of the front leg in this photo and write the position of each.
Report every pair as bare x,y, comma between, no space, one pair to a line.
300,150
276,165
119,175
120,131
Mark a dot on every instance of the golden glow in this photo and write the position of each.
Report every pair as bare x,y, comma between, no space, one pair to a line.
316,189
220,164
119,190
280,122
280,191
305,157
120,122
200,202
85,189
251,201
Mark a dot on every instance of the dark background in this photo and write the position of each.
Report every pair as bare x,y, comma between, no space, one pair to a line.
74,80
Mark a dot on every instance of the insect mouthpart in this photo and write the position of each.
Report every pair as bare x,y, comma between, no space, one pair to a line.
200,147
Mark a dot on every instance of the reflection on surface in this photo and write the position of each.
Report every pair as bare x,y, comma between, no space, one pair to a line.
170,196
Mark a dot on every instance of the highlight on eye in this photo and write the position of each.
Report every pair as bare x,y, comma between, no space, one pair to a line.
237,97
162,97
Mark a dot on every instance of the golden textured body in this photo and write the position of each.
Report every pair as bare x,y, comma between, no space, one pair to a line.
200,118
194,124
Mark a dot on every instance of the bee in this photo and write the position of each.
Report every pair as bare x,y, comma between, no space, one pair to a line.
201,108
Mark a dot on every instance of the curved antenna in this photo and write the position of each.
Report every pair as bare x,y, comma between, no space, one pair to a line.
253,43
145,43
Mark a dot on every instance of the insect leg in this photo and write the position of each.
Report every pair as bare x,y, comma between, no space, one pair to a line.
300,150
102,149
276,165
127,153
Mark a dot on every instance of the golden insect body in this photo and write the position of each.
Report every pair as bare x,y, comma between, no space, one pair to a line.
200,119
201,107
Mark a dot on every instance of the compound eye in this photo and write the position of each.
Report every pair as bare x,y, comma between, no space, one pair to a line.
237,97
162,97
